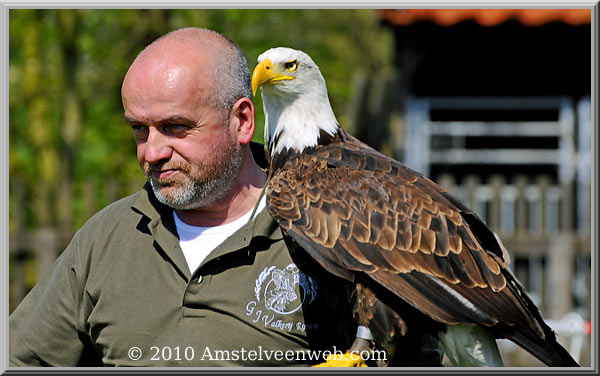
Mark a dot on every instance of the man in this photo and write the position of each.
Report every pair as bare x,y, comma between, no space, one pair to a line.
180,274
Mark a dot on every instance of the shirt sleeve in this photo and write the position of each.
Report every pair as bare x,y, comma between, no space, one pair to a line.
43,329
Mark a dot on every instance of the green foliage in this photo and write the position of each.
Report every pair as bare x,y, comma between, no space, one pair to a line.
66,69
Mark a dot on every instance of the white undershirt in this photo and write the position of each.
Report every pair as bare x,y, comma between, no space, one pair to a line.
197,242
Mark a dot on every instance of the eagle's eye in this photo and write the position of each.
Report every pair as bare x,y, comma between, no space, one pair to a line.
291,65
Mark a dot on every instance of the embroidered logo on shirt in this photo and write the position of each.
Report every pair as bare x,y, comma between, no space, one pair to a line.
279,292
275,290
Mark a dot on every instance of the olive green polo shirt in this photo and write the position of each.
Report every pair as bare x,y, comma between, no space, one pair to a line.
121,294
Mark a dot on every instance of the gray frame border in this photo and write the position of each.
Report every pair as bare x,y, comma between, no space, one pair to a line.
5,6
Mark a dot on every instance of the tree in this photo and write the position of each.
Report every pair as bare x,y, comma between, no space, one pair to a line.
70,150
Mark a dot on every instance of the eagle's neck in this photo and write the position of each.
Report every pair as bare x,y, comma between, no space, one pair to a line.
297,122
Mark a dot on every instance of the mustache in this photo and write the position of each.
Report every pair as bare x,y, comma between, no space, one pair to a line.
161,166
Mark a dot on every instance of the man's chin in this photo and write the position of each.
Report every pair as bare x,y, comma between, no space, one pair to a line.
178,198
169,195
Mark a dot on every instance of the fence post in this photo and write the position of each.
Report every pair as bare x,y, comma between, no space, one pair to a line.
543,181
17,241
45,248
567,207
560,263
65,204
470,183
89,194
494,218
112,191
358,109
447,182
521,228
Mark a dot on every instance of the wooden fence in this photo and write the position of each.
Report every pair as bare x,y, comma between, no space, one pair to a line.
34,245
536,221
533,217
550,246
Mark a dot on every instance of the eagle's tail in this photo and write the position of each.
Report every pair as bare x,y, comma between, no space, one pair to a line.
547,350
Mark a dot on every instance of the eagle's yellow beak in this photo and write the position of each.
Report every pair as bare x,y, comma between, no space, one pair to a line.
264,73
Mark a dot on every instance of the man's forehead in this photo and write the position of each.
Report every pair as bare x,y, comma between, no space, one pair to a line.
167,75
159,72
173,72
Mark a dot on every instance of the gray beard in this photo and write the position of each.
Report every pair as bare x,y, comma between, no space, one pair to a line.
196,193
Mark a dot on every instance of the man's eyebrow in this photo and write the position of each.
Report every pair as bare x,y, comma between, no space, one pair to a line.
177,119
170,120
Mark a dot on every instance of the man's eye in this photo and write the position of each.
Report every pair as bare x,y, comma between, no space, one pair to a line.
176,128
140,132
138,129
291,65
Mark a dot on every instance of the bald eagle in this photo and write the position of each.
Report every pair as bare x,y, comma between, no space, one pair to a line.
404,246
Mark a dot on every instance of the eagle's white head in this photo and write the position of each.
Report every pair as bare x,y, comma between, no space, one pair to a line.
295,100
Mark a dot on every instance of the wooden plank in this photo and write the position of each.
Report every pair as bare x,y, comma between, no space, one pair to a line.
494,128
524,246
512,102
495,156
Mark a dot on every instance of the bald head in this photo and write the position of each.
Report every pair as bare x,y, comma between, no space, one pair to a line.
213,66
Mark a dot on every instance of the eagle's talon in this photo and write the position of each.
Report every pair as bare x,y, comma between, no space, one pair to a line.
349,359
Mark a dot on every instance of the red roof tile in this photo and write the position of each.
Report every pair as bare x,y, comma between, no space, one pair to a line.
486,17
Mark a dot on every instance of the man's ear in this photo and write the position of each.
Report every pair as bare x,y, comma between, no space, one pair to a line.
242,118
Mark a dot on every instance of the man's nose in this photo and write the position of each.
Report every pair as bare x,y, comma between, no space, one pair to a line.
157,147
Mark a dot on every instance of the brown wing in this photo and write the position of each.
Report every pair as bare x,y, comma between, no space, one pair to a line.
355,210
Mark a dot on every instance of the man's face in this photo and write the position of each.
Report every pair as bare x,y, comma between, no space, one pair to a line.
186,148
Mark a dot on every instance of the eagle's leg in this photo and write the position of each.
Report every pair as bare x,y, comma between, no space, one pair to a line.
359,345
354,356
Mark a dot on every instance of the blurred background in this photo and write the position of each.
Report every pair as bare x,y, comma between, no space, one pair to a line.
493,104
